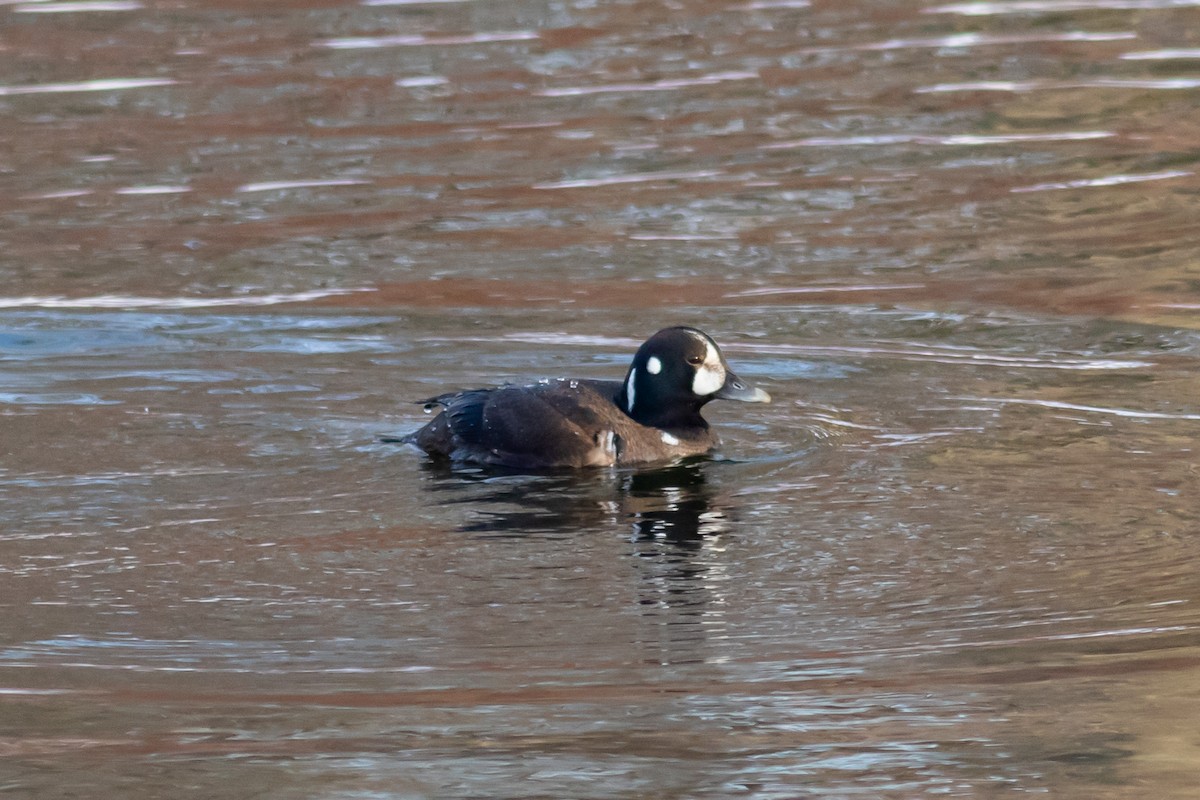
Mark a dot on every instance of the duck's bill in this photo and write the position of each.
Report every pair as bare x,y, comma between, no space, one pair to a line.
737,389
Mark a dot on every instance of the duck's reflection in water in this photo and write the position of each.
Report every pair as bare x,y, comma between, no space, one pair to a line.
525,505
673,504
679,526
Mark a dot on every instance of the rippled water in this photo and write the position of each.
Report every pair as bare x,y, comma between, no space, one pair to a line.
955,557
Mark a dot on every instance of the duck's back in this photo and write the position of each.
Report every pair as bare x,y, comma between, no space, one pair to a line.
562,423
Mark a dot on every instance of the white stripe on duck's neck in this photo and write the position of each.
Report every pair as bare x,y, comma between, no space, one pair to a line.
630,391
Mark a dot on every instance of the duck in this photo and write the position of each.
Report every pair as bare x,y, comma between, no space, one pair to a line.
653,415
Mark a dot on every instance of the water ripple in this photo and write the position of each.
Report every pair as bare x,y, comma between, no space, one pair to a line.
421,40
870,287
962,40
1060,405
134,301
410,2
271,186
151,189
664,85
1162,55
1168,84
615,180
54,399
954,140
100,85
70,480
1107,180
949,355
77,5
926,353
984,9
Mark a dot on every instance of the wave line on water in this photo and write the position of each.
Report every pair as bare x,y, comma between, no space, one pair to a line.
121,301
613,180
66,194
777,290
962,40
1108,180
682,237
767,5
1128,413
952,140
421,40
1161,55
667,84
1167,84
985,8
944,355
410,2
316,183
551,337
160,189
72,6
99,85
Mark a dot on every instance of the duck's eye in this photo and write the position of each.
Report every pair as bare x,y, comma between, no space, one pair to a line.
695,360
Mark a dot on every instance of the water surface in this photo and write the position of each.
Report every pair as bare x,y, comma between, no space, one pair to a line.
955,557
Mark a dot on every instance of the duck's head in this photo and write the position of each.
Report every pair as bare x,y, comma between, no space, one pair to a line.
674,373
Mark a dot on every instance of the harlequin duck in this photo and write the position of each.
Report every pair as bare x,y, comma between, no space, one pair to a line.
653,415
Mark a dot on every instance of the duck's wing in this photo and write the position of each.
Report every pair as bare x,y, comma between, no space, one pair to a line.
465,412
523,427
461,411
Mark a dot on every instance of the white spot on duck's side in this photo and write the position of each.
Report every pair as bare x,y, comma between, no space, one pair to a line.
669,439
605,454
629,391
653,365
710,376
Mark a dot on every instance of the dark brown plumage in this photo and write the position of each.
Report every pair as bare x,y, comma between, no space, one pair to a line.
653,415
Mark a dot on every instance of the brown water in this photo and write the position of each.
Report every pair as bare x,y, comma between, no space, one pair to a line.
956,557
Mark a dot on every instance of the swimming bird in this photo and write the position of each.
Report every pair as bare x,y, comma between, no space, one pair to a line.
652,415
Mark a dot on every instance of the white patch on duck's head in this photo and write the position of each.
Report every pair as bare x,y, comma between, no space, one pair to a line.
710,375
653,365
